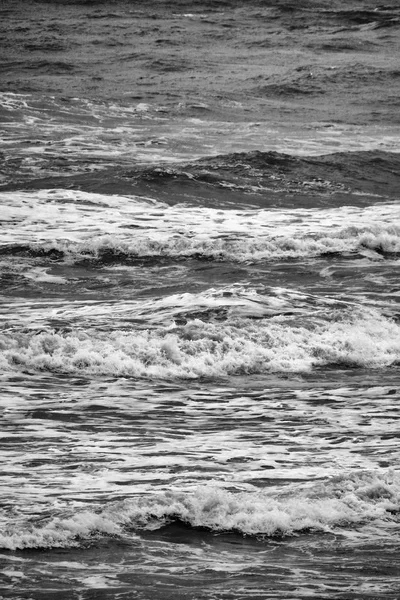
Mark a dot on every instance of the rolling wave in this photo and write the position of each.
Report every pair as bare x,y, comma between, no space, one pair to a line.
106,249
337,505
222,337
273,179
77,226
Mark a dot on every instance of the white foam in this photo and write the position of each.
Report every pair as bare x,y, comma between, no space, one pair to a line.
58,532
40,274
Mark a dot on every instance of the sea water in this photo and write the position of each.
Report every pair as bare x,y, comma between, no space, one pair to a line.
199,325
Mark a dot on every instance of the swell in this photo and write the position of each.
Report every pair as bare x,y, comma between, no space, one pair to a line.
382,16
318,15
40,66
255,179
273,178
314,79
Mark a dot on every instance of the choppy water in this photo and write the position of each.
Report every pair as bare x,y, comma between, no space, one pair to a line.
199,325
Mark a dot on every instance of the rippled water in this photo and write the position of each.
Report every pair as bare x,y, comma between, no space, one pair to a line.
199,325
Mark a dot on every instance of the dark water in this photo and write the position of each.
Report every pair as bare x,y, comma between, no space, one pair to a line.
199,271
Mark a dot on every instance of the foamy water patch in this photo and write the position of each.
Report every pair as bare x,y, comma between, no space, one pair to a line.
220,304
83,225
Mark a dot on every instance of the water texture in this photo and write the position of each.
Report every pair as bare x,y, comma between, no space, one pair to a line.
199,287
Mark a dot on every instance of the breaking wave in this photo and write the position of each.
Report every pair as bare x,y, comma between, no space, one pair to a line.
384,241
335,505
214,340
77,226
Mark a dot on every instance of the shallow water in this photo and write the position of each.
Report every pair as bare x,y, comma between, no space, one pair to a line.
199,325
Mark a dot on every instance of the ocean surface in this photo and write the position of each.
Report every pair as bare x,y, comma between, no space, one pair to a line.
200,288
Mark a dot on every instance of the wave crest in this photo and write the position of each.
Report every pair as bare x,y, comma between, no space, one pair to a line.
211,348
343,502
